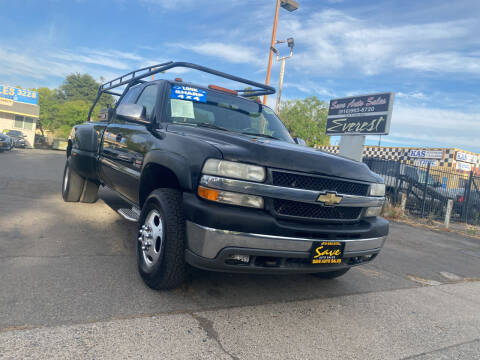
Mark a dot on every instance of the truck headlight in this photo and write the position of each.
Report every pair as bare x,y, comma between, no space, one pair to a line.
234,170
373,211
227,197
377,190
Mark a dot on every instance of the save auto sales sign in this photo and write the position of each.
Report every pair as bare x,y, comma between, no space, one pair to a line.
360,115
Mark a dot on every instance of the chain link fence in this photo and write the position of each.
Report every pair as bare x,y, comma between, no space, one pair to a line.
428,190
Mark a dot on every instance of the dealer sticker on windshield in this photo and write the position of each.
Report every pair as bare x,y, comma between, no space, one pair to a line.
327,252
188,93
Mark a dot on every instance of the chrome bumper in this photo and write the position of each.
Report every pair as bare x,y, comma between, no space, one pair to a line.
207,242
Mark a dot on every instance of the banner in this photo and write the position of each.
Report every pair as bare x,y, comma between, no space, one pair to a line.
18,95
425,154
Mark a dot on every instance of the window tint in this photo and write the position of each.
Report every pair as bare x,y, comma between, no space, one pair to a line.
131,95
229,112
148,99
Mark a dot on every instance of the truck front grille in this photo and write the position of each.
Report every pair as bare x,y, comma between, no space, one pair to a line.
314,211
308,182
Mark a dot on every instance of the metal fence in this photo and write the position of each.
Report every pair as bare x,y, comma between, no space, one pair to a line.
428,190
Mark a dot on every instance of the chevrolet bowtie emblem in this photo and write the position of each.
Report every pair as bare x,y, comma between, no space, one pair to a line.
329,198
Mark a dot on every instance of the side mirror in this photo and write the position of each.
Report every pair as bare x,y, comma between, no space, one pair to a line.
132,112
300,141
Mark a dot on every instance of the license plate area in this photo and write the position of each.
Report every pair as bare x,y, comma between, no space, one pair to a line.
327,252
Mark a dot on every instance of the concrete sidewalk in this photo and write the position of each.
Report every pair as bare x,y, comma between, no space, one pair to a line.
432,322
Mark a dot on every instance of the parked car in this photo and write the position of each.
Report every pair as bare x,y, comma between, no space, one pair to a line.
215,180
468,207
19,138
6,143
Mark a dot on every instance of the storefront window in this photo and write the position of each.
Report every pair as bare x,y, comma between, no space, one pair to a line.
18,121
28,123
24,122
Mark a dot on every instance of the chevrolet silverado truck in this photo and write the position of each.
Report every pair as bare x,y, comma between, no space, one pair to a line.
215,181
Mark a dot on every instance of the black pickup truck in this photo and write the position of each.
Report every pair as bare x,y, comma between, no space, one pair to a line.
215,181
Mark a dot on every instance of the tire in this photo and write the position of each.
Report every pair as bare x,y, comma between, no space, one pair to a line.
162,264
331,274
90,192
72,185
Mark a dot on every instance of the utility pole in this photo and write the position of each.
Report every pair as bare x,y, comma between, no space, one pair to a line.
289,5
291,44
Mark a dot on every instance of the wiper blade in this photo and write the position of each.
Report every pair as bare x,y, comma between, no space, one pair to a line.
261,135
211,126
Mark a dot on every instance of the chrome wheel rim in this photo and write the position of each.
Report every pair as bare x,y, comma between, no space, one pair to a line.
151,238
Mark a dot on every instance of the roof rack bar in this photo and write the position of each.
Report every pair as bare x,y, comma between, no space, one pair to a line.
112,93
122,81
262,89
134,77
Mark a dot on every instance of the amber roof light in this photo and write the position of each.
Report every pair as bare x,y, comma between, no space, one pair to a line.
219,88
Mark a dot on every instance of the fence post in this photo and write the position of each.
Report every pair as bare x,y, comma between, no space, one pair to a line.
425,189
466,197
397,181
403,202
448,213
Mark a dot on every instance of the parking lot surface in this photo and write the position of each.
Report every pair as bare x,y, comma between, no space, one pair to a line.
69,288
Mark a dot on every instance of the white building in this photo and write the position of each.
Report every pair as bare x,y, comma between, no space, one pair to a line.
19,110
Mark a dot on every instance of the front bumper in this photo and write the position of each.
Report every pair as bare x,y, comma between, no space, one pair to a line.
210,248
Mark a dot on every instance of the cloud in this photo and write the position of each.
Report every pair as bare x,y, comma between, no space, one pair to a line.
38,67
169,4
448,62
332,40
417,95
236,54
434,127
310,88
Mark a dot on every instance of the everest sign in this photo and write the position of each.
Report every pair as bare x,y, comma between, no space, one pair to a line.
360,115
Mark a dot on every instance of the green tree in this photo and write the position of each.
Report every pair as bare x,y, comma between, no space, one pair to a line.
70,113
62,108
84,87
306,119
48,101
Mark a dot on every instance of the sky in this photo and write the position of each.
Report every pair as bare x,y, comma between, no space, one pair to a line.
427,52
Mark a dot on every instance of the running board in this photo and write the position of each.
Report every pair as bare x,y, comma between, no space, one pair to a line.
132,214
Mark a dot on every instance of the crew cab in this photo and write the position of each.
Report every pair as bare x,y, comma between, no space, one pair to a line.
214,180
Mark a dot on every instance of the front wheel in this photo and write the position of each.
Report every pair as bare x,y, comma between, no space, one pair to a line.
161,242
331,274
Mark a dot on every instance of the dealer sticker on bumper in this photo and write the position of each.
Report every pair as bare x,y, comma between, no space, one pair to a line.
327,252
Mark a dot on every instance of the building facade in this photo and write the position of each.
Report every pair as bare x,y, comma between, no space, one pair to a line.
19,110
452,159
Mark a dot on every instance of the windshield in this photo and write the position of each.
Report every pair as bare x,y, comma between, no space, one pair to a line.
15,133
224,112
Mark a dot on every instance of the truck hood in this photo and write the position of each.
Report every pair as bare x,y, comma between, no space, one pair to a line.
278,154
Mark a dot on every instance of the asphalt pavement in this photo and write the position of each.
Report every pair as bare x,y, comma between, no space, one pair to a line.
69,288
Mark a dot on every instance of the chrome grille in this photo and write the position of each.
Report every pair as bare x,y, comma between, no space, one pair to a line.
314,211
307,182
298,209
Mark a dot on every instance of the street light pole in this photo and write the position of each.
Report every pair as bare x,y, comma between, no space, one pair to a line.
272,44
280,84
290,5
291,44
